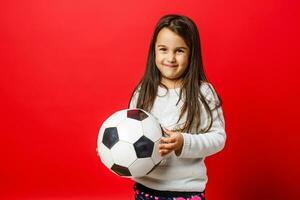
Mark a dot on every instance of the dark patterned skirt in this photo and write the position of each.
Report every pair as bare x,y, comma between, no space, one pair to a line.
144,193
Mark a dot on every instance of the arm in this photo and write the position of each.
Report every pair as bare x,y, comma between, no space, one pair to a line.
187,145
209,143
133,101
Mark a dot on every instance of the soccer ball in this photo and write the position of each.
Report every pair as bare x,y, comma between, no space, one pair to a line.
128,143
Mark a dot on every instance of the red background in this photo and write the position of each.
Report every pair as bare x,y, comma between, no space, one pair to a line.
67,65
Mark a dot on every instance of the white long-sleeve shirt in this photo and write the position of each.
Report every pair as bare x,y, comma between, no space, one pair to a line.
186,172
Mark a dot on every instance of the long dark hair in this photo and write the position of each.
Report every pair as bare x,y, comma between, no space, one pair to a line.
192,78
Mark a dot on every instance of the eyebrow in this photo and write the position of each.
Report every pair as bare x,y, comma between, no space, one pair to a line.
161,45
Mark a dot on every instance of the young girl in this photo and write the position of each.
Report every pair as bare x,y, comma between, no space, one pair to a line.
174,89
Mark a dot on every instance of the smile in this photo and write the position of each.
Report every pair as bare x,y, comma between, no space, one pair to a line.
170,65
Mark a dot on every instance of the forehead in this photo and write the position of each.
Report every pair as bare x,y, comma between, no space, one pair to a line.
168,38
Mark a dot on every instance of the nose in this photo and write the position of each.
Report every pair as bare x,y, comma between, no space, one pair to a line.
171,57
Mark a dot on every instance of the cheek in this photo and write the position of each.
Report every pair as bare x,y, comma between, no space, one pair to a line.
158,57
157,61
183,60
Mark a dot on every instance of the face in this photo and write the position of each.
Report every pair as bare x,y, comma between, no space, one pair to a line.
171,57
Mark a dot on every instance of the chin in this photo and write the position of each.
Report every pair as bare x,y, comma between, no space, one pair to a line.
171,78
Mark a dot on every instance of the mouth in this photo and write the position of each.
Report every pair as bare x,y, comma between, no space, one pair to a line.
172,66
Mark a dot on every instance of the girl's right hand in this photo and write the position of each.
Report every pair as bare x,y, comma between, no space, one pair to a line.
173,142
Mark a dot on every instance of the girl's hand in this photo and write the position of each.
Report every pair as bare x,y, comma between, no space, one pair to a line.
172,143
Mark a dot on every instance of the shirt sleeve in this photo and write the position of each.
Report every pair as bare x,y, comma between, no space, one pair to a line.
133,101
210,142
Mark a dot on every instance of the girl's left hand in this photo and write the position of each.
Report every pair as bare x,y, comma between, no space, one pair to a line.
172,143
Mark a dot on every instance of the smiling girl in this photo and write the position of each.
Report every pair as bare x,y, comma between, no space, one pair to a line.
175,90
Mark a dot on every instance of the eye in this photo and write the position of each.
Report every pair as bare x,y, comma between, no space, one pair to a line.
162,49
180,51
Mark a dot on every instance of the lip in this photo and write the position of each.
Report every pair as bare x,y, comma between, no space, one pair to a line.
170,65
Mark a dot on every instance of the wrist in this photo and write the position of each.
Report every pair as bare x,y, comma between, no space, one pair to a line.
178,151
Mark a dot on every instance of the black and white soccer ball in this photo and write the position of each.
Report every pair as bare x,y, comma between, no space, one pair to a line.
128,143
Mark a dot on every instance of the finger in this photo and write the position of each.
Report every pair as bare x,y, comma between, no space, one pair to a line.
170,146
167,140
164,152
167,131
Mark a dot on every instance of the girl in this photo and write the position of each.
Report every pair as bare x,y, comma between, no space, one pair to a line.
174,89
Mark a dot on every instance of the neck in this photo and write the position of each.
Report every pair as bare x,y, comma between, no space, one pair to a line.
172,83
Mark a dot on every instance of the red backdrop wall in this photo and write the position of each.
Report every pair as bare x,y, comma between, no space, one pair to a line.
65,66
